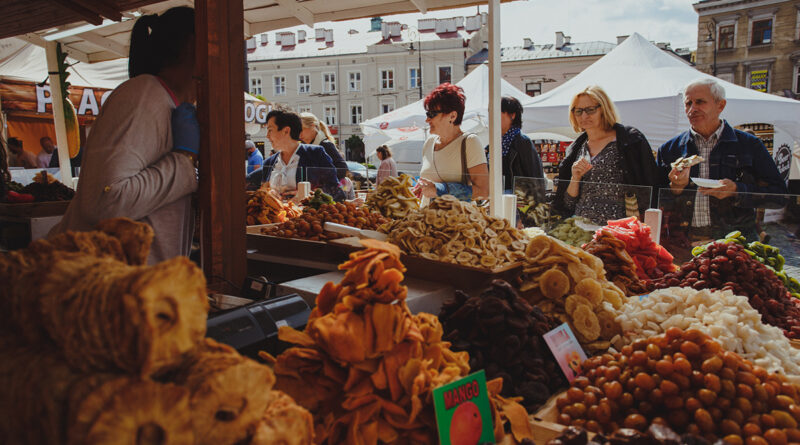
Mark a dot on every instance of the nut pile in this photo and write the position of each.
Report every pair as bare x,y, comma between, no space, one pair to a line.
619,266
683,379
266,207
569,232
364,360
458,232
393,197
310,224
571,284
656,434
503,335
728,266
726,317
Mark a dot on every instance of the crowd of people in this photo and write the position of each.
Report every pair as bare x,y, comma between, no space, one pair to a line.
141,155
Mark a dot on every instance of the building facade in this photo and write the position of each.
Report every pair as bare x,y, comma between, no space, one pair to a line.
752,43
348,78
539,68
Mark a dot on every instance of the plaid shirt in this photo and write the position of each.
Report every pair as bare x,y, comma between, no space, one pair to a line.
702,213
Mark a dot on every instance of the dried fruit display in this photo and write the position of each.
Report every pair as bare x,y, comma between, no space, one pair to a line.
284,423
656,434
365,367
571,233
310,224
530,194
728,266
457,232
503,335
318,199
45,187
266,207
726,317
683,379
393,197
619,266
228,393
651,259
571,285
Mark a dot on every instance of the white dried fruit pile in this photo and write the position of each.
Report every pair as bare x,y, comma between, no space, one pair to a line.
726,317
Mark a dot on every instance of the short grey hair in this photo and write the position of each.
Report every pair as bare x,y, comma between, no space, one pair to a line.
717,90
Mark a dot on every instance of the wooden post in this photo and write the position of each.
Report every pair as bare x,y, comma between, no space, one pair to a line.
58,114
219,29
495,132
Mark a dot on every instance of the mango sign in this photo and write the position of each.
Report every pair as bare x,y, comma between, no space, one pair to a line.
463,413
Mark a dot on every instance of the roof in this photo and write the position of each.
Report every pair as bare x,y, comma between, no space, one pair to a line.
343,43
548,51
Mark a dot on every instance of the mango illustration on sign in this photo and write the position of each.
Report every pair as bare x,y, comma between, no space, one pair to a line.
466,425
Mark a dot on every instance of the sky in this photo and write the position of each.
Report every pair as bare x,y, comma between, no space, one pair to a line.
673,21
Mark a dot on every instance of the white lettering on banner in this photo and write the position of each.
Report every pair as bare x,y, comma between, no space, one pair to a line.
249,112
261,114
104,97
43,97
88,101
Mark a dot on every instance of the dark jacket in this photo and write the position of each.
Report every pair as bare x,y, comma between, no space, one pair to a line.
336,157
639,169
738,156
315,166
522,160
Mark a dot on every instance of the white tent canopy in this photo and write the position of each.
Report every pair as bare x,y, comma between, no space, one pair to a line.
646,85
408,123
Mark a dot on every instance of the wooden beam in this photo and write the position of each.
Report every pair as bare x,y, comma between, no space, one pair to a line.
86,14
219,26
422,5
37,40
105,43
296,9
102,8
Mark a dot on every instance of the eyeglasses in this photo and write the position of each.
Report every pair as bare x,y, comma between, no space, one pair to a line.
432,114
588,110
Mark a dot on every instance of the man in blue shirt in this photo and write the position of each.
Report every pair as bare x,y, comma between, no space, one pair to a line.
254,158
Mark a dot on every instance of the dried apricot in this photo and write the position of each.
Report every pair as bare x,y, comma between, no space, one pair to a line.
751,429
575,395
711,365
707,396
775,436
755,440
704,420
612,390
712,382
635,421
728,427
644,381
734,439
691,349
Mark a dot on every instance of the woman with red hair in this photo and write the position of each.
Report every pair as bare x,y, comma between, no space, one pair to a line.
453,163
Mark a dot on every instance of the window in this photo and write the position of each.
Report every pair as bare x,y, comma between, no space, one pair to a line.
727,77
758,79
355,114
303,83
305,108
387,106
279,84
387,79
414,78
354,81
796,76
726,36
445,74
329,114
533,88
255,86
762,32
328,82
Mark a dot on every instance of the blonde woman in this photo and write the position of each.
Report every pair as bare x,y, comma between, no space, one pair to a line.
605,156
315,132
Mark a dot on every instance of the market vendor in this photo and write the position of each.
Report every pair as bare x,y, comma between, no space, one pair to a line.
739,160
453,162
140,157
606,163
294,161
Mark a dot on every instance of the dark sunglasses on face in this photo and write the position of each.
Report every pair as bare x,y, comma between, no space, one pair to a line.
588,110
432,114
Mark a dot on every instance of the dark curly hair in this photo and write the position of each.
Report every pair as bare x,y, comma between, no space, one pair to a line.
447,98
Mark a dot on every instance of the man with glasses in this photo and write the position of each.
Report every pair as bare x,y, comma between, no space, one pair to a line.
738,160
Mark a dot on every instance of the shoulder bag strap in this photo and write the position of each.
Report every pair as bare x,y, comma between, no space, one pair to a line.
464,171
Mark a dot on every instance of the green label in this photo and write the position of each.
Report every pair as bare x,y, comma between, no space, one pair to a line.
463,413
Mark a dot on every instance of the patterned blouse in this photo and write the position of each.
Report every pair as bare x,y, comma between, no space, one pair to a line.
601,196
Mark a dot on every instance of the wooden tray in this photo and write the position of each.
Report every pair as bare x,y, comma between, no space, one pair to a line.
544,422
34,209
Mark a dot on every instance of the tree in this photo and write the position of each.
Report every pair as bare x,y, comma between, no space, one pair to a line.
354,149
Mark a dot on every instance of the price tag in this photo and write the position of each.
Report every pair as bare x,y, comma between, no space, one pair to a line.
566,350
463,413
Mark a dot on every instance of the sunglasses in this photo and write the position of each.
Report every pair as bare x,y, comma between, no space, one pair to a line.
432,114
588,110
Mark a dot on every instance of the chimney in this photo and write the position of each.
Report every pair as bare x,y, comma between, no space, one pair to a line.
328,36
621,39
472,24
486,45
426,24
567,40
559,39
319,34
375,24
301,35
264,39
527,43
251,44
395,29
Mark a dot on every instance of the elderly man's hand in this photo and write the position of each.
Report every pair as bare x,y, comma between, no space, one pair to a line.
727,190
678,180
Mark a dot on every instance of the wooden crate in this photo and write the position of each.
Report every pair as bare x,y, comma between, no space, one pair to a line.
34,209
